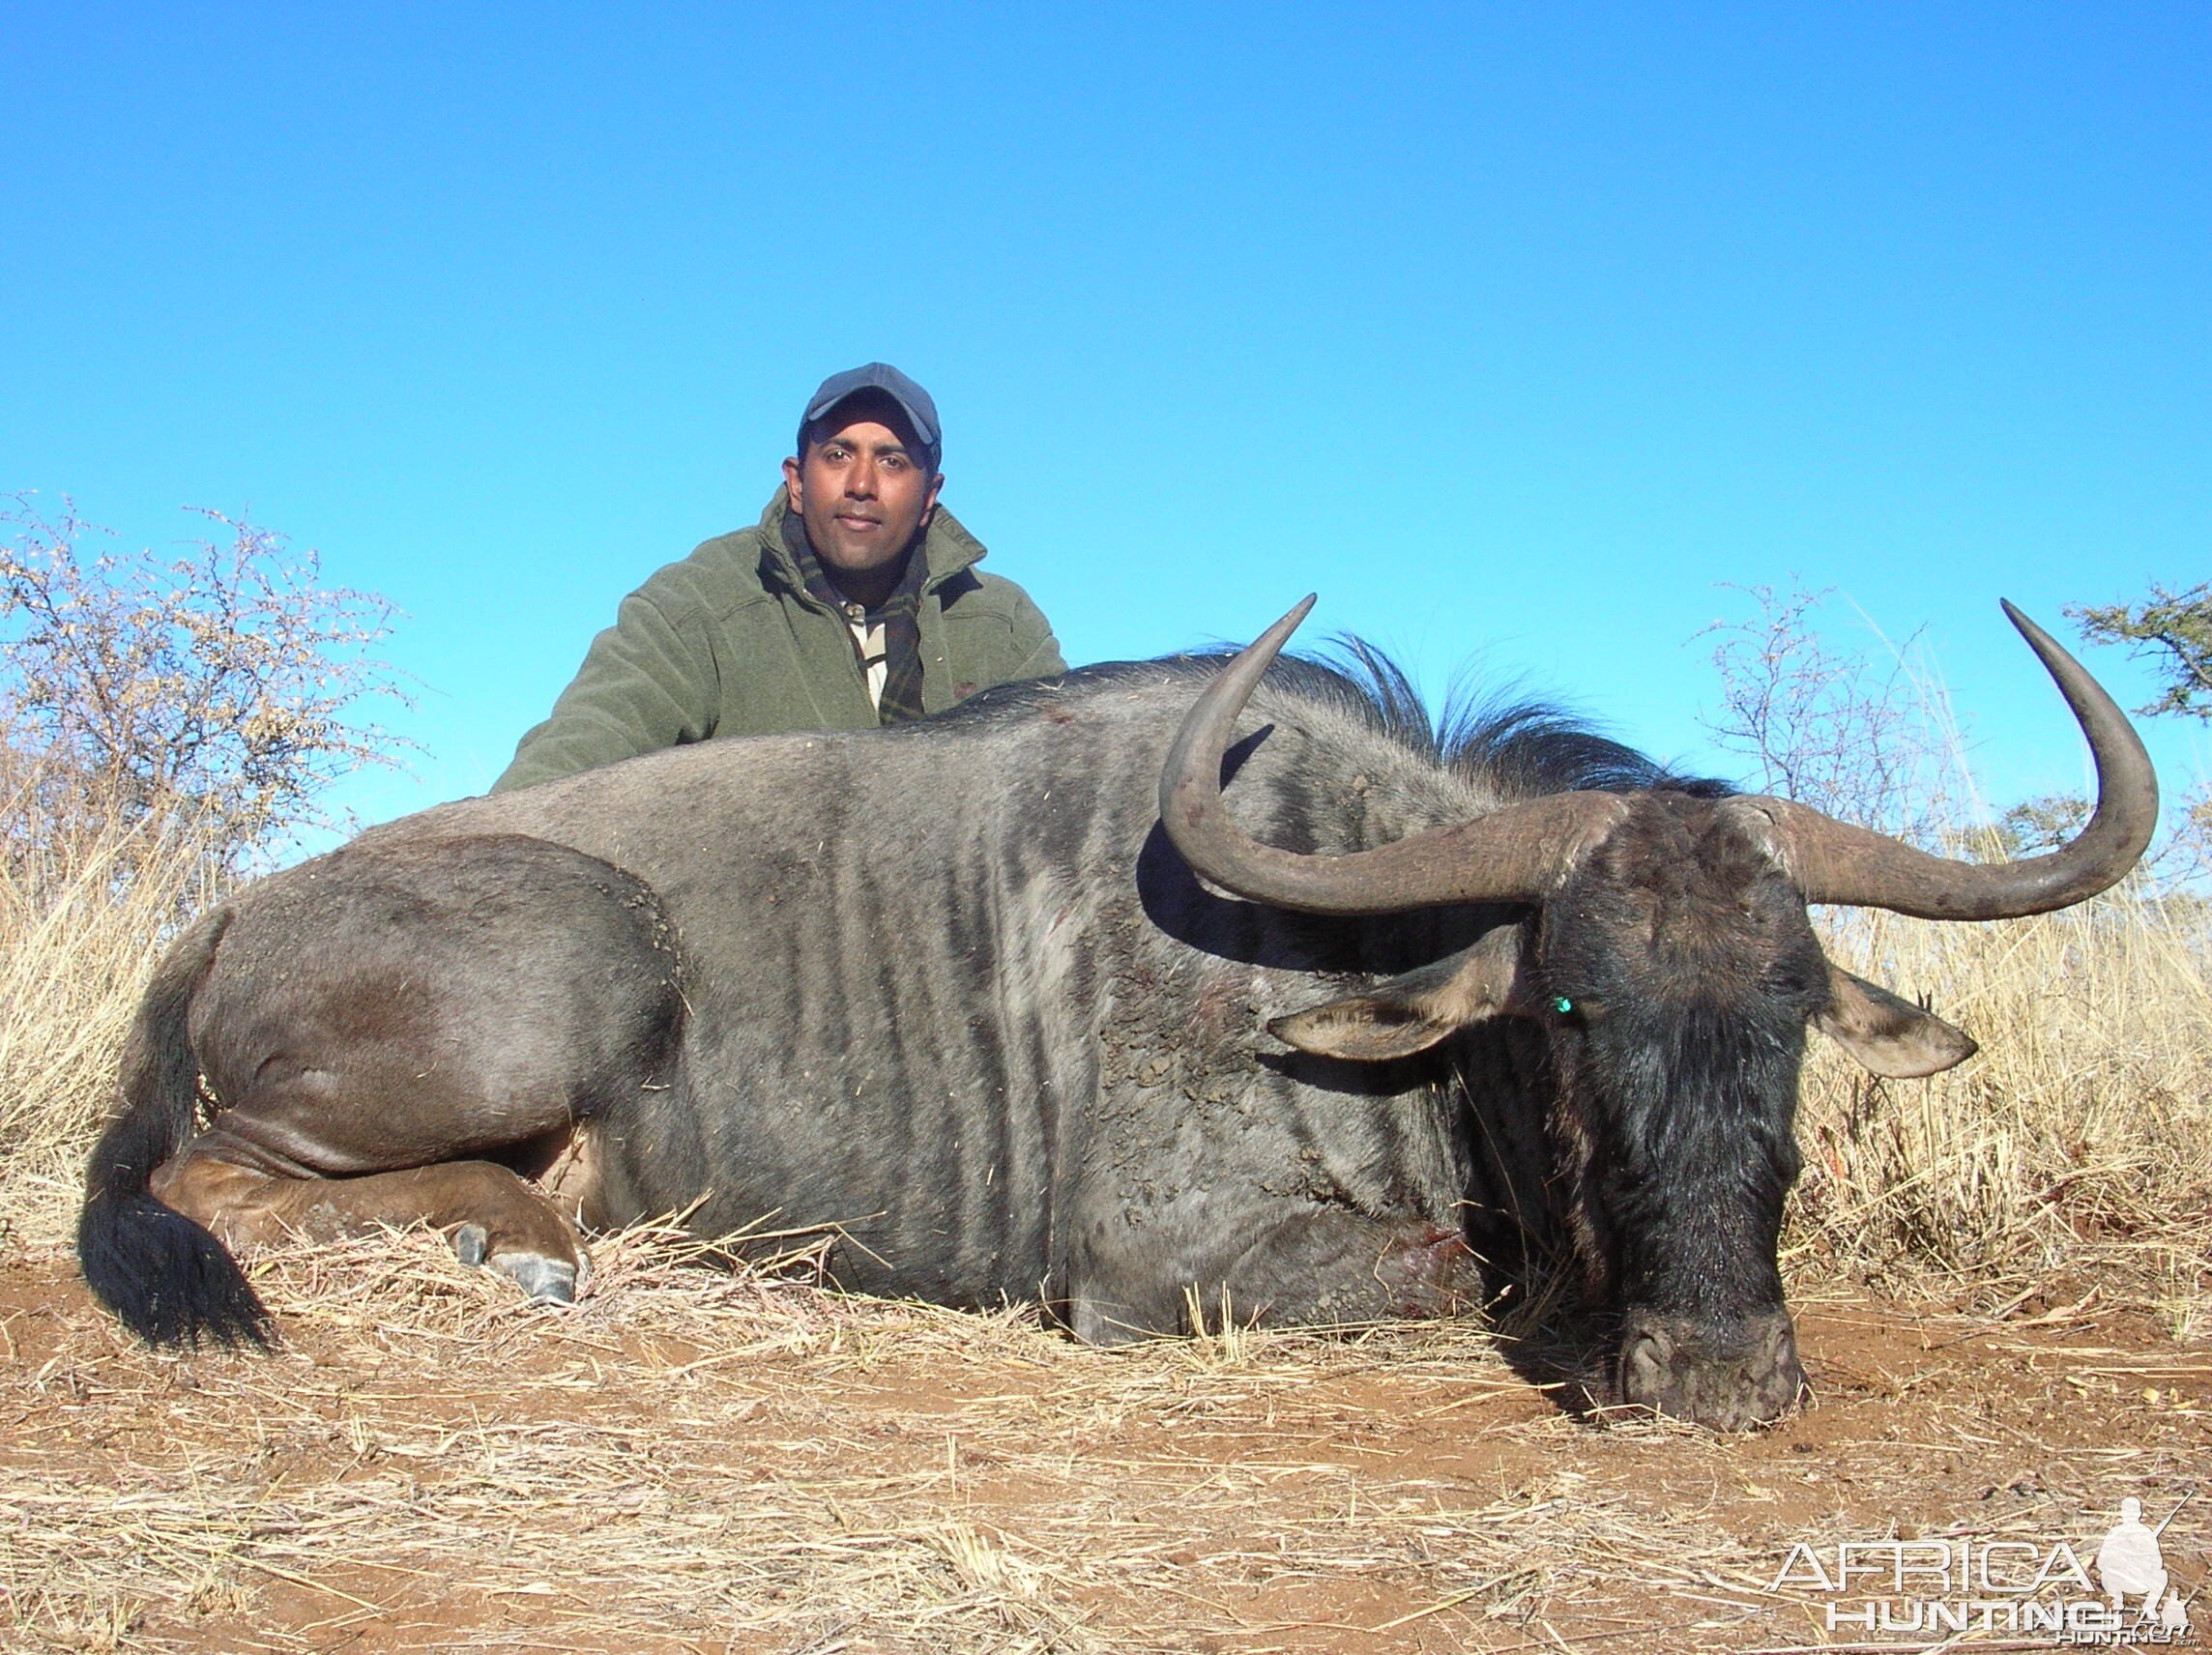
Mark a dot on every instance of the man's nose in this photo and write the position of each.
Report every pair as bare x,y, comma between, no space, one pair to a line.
860,479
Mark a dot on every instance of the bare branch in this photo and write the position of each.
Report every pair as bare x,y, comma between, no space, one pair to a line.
1827,728
219,692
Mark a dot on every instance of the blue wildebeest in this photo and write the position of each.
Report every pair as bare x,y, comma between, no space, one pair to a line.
1030,1018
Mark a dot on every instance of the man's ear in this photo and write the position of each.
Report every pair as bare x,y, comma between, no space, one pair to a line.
791,485
929,505
1412,1013
1889,1035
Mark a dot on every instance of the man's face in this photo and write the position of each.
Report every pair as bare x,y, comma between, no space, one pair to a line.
862,488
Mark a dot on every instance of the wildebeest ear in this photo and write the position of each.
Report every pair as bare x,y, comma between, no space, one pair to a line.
1889,1035
1410,1013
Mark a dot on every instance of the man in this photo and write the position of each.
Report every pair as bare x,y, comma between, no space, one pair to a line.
854,601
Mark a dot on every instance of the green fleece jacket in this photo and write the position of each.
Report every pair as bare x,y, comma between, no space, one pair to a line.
729,643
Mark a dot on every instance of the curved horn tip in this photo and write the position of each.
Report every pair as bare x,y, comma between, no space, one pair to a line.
2056,658
2021,623
1288,624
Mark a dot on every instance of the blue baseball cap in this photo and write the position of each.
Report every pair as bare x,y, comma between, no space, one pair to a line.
914,401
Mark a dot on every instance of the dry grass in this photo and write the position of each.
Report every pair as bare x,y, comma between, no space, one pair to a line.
2074,1153
591,1468
701,1462
82,916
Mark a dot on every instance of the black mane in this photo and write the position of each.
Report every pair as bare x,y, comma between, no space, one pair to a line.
1518,746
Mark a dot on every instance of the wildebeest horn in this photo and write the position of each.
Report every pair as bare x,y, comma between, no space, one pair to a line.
1514,855
1518,855
1835,862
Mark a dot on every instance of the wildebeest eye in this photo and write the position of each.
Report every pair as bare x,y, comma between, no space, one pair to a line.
1577,1009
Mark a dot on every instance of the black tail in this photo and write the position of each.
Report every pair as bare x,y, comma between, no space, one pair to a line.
169,1280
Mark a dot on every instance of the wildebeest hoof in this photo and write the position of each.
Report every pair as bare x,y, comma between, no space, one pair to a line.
546,1281
470,1244
543,1279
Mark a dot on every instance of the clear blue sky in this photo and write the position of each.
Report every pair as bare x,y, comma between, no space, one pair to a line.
1511,330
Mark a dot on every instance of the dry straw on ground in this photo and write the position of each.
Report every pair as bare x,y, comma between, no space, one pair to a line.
705,1462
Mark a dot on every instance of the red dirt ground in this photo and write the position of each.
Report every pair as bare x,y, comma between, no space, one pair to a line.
696,1463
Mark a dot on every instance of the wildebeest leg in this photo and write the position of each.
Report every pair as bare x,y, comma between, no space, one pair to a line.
381,1029
1335,1266
497,1218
